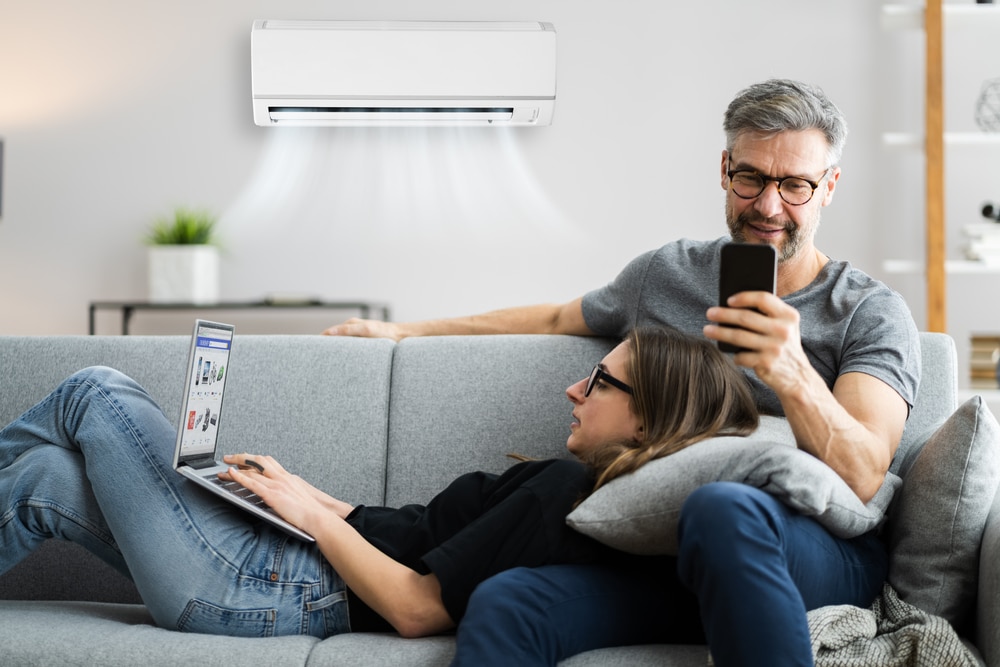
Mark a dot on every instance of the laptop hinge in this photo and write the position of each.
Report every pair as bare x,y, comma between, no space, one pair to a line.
201,462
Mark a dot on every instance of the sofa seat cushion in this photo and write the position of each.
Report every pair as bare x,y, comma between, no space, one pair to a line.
376,649
938,518
638,512
96,633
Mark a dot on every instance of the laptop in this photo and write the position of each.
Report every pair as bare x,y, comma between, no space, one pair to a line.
196,453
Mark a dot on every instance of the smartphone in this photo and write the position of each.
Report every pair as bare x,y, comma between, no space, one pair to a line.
746,267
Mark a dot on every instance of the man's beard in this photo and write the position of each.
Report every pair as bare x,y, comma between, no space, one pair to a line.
793,232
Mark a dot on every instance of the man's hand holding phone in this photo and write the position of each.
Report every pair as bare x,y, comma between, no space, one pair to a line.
753,321
744,268
743,324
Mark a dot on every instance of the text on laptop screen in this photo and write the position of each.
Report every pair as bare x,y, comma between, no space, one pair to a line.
203,400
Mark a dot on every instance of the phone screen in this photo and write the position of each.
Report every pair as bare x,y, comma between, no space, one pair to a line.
746,267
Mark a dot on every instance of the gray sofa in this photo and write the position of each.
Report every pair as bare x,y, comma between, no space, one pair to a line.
371,422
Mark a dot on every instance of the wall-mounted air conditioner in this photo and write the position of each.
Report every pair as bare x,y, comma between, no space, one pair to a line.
402,73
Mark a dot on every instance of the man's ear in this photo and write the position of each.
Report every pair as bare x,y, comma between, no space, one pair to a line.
831,185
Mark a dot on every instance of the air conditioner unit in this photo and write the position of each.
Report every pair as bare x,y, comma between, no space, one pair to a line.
402,73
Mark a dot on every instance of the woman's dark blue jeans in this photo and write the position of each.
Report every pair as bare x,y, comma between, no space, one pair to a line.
748,567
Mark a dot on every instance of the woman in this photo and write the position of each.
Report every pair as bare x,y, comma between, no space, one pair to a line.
90,464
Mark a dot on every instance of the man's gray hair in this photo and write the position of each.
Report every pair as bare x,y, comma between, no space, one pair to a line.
780,105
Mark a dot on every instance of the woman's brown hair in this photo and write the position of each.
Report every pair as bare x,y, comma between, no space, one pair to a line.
684,391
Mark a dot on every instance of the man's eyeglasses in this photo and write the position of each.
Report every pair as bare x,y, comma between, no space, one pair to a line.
792,189
601,375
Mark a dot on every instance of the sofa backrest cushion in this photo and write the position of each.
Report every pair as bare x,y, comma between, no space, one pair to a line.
32,366
462,403
937,397
318,404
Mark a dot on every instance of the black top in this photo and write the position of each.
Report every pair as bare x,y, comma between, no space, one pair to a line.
483,524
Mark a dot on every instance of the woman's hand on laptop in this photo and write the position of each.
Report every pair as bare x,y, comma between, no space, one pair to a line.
289,495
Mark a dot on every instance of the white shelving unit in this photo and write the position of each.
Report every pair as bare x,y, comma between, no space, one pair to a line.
911,17
953,16
956,266
910,140
978,26
934,19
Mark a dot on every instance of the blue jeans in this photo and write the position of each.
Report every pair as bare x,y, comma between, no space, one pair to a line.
754,566
91,464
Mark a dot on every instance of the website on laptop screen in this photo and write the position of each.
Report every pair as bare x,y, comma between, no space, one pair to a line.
204,393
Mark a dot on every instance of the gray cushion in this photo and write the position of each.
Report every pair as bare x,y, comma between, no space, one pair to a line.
462,403
938,518
638,513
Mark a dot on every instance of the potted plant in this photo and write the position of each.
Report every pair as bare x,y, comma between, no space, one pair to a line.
183,258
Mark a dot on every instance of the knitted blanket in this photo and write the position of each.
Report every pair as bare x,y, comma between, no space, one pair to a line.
890,633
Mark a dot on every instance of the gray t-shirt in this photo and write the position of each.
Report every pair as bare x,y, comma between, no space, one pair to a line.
850,322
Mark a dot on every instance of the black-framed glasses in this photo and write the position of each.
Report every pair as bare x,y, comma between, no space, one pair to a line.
601,375
794,190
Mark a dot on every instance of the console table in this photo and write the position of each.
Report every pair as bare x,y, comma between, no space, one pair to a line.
129,308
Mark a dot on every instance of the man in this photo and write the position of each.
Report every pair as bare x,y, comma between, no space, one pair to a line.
835,352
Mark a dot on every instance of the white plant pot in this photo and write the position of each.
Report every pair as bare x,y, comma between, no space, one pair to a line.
183,274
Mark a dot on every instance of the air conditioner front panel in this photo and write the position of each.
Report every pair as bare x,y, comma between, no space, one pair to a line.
374,65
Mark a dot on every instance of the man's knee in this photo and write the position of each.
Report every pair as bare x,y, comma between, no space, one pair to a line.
505,620
722,503
718,519
511,595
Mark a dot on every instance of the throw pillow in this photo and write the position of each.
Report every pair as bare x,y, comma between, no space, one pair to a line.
638,513
936,523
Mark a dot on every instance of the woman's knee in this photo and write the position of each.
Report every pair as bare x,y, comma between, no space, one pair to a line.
105,381
99,376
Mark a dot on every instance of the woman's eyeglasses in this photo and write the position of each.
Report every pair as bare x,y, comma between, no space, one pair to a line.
601,375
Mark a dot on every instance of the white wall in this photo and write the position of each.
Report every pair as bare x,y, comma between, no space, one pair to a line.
114,112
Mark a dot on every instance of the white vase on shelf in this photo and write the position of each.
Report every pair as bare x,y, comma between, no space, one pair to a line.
184,274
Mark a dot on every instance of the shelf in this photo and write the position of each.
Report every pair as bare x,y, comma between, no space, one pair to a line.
913,140
989,395
935,18
911,17
954,266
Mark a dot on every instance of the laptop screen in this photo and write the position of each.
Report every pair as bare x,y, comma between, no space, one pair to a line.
206,378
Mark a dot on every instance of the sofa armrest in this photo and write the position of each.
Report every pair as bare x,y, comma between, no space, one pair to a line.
988,600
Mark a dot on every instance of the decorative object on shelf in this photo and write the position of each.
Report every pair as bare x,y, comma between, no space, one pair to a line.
984,238
183,259
984,357
988,106
992,212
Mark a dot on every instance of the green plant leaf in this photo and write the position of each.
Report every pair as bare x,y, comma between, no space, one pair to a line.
187,227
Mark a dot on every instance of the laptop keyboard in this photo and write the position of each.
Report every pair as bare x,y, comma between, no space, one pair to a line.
242,492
